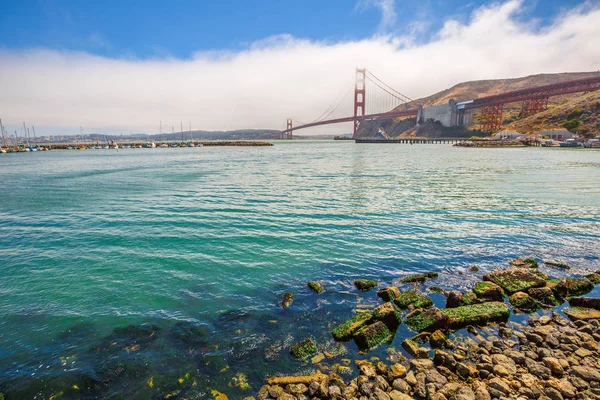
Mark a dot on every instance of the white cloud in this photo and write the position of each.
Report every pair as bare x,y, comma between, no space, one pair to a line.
282,76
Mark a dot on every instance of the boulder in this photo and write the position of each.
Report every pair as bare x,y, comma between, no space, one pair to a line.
572,287
580,313
419,277
523,262
586,302
427,320
287,300
316,287
303,349
594,278
454,298
523,302
364,285
514,280
477,314
544,296
558,265
344,331
438,339
413,349
370,336
388,293
388,314
488,291
413,298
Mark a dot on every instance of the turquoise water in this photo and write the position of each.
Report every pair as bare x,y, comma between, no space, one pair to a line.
187,251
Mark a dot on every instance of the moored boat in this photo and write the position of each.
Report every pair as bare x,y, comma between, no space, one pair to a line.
569,143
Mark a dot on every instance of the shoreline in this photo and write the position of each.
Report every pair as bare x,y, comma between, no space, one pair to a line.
477,353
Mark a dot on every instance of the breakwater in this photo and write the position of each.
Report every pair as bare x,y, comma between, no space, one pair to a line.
134,145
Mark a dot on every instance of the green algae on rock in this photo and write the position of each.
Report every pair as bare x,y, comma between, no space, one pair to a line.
514,279
558,265
594,278
426,320
438,339
581,313
364,285
287,299
544,296
477,314
572,287
344,331
419,277
315,287
454,298
388,293
413,298
523,262
523,302
370,336
488,291
388,314
303,349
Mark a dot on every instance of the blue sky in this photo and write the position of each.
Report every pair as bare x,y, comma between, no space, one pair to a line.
121,66
156,28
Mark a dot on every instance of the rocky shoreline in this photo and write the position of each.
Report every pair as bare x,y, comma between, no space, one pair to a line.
469,350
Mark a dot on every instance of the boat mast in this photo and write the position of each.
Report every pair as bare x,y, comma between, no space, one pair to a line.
181,122
160,133
34,138
25,134
190,122
3,137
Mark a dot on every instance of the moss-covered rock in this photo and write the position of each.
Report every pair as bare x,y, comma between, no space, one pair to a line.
514,280
344,331
420,278
540,274
523,302
315,287
586,302
474,268
427,320
388,314
572,287
287,300
477,314
364,285
544,296
438,339
436,289
413,298
581,313
558,265
413,348
303,349
370,336
454,298
523,262
594,278
388,293
488,291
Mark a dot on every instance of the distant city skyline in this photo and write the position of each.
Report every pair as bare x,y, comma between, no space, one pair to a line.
115,67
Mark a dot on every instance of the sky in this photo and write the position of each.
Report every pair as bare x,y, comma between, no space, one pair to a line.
124,66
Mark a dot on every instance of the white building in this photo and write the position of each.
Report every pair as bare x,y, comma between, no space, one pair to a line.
557,134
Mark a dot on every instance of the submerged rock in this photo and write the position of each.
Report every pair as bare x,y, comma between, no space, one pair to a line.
413,298
364,285
303,349
514,280
581,313
558,265
545,296
573,287
477,314
523,302
419,277
388,314
388,293
316,287
488,291
344,331
370,336
287,300
427,320
523,262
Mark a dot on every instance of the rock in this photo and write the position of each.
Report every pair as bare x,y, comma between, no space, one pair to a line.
396,371
588,374
594,278
498,387
381,395
441,358
388,314
316,287
412,298
370,336
477,314
438,339
427,320
420,364
366,369
434,377
335,392
397,395
287,300
514,280
558,265
586,302
381,383
413,349
580,313
488,291
303,349
545,296
456,391
296,388
539,370
419,277
346,330
364,285
466,370
454,298
388,293
554,365
523,302
572,287
522,262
